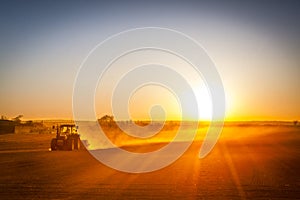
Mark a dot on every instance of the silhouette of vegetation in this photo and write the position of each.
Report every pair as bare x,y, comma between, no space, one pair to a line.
17,119
107,121
142,123
3,117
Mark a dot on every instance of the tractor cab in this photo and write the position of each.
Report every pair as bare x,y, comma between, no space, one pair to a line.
63,131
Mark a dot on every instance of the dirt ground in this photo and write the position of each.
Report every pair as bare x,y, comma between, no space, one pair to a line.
246,163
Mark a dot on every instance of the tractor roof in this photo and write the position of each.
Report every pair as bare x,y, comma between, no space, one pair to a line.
67,125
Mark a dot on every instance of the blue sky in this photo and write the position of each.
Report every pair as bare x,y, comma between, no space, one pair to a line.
255,46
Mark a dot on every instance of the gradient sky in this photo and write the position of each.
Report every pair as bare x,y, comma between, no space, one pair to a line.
255,46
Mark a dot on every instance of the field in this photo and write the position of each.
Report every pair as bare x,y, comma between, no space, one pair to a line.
248,162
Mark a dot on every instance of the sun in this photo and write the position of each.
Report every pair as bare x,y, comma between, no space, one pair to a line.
204,102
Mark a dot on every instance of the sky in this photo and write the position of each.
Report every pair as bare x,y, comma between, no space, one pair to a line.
255,46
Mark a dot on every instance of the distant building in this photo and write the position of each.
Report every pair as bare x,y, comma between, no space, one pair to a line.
7,126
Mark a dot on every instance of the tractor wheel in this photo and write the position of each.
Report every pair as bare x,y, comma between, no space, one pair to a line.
77,143
53,144
70,144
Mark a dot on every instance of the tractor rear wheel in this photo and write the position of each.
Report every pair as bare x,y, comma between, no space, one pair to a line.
53,144
77,143
70,144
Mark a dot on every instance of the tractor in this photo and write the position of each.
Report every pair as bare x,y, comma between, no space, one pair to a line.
67,138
